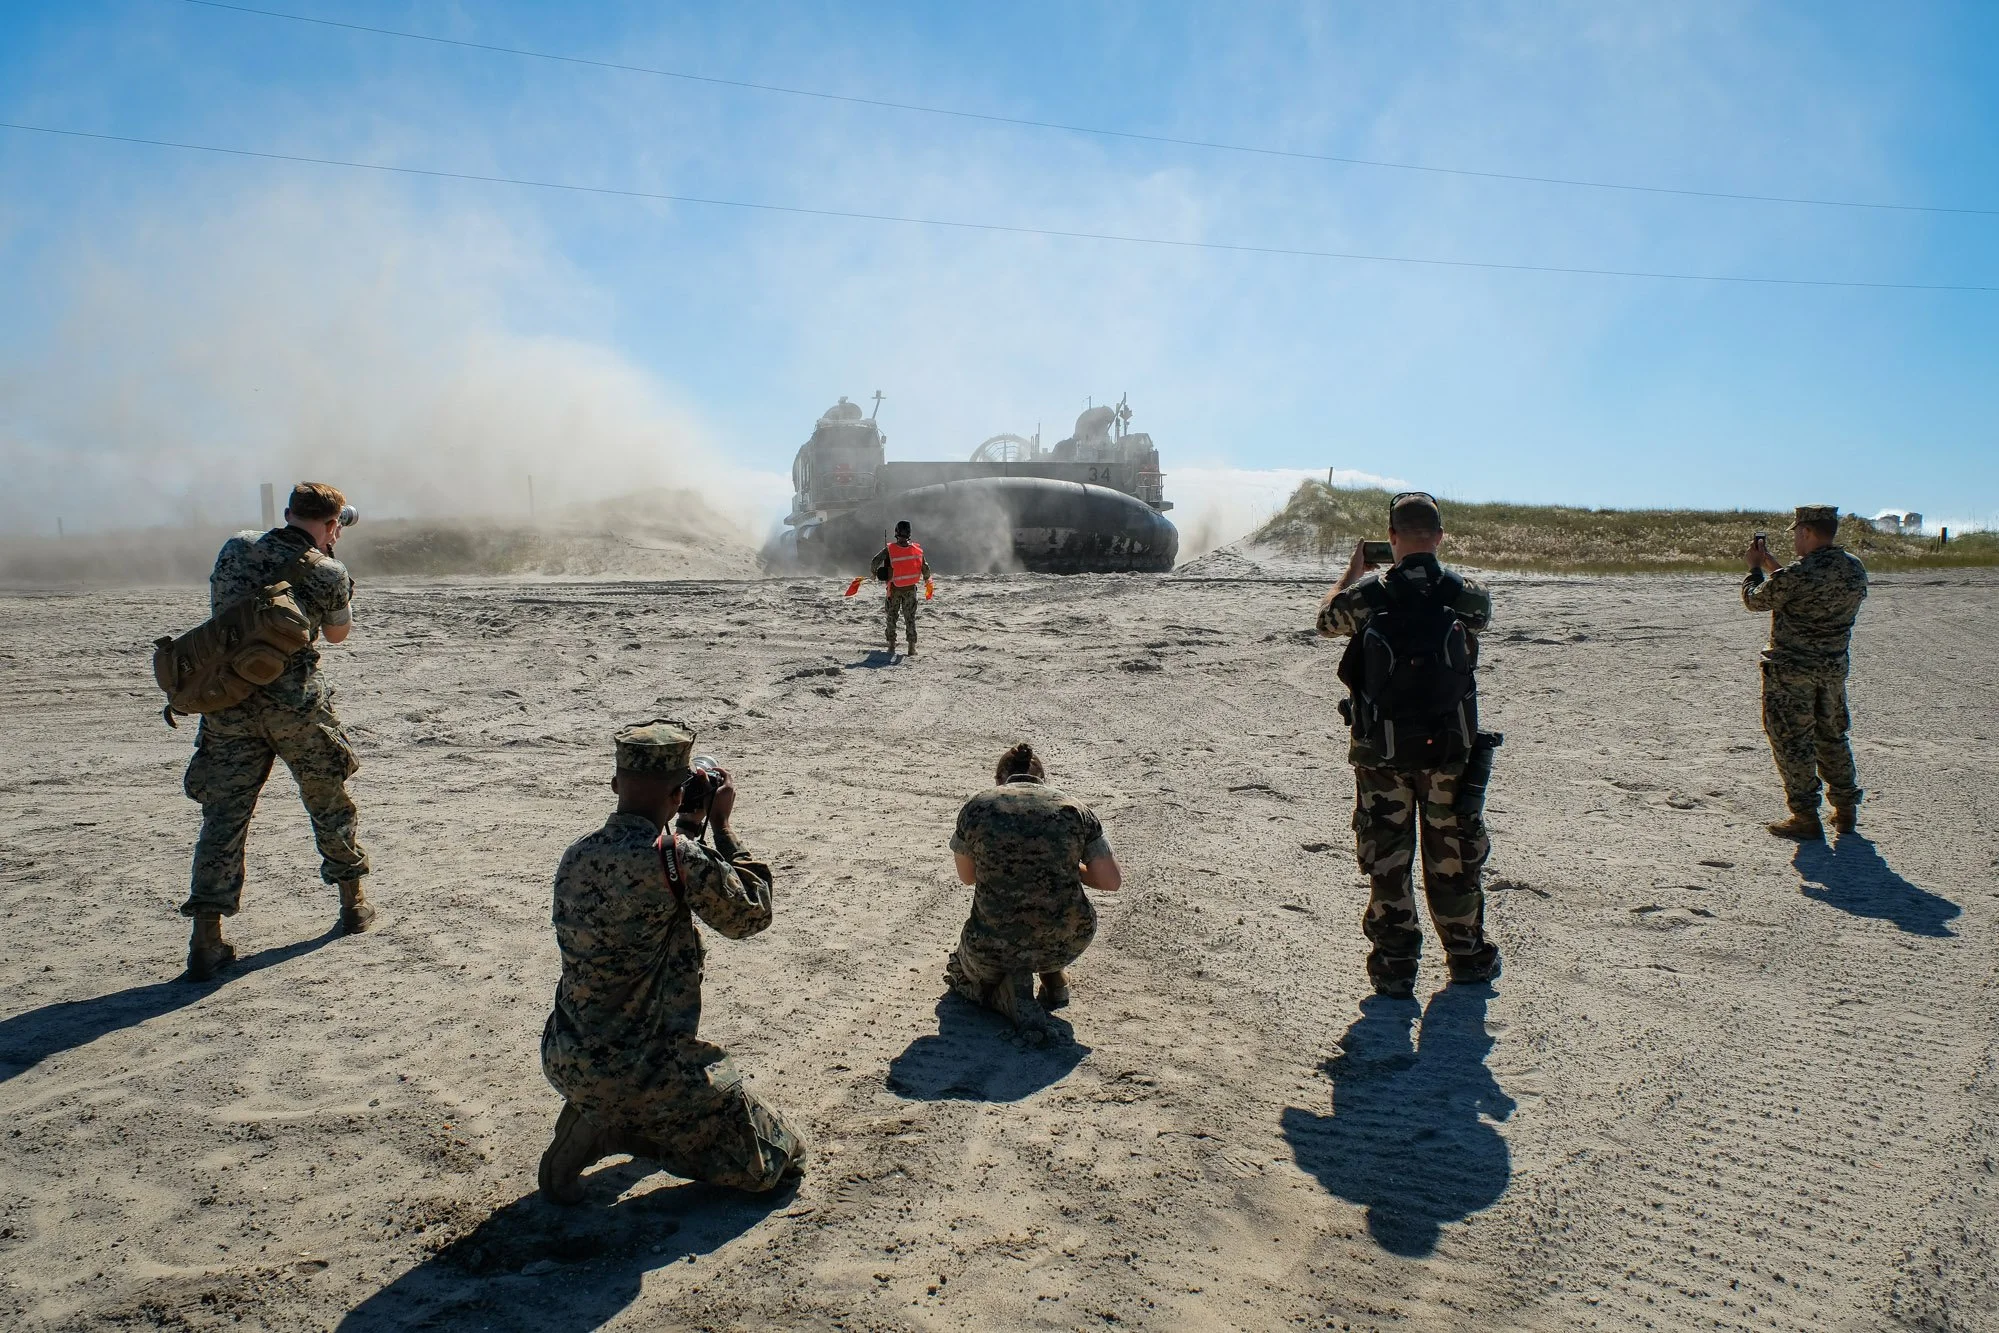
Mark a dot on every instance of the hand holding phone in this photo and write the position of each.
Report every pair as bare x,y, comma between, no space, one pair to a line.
1759,552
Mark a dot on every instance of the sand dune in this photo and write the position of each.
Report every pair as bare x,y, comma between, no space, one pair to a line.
1724,1082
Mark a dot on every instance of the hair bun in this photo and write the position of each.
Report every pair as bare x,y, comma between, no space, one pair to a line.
1019,758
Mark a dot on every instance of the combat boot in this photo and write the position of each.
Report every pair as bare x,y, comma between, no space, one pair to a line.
1799,828
576,1147
1844,817
1054,990
1469,969
207,952
355,913
1393,977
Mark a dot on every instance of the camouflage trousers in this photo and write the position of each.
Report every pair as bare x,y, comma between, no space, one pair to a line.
232,759
1805,717
1000,974
1391,807
902,601
709,1129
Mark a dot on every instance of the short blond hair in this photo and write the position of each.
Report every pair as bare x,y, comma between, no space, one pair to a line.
315,500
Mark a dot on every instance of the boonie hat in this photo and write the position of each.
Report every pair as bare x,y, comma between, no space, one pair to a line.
659,748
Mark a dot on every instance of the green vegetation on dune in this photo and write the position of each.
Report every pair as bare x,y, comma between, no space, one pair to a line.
1325,520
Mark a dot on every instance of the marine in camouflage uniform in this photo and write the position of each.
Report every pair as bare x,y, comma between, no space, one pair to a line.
901,601
622,1044
1396,811
1813,603
1030,916
291,718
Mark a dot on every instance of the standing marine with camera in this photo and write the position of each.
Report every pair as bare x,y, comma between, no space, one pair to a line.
288,717
622,1043
1420,762
1813,602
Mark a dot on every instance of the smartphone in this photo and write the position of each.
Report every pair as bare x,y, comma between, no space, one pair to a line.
1377,553
1762,539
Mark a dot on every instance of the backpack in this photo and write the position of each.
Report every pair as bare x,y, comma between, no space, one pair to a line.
1412,670
235,652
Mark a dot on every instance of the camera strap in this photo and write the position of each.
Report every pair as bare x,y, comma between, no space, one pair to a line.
672,864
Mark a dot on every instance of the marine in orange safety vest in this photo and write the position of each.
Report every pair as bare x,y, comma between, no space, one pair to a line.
902,567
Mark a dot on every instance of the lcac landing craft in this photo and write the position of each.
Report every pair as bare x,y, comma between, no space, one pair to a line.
1093,503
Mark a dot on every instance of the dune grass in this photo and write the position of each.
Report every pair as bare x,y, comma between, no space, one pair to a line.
1326,521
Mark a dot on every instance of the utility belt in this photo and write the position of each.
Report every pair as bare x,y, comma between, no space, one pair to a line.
1477,773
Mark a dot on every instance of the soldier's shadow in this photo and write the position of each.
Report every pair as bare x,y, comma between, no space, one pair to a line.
533,1266
975,1056
876,659
27,1039
1411,1137
1852,876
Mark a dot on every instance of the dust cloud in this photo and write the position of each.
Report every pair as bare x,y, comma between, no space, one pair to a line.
448,370
1215,505
434,369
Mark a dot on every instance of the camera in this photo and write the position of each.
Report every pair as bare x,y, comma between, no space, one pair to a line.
701,784
349,516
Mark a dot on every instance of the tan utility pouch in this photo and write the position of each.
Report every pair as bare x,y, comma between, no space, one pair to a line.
225,659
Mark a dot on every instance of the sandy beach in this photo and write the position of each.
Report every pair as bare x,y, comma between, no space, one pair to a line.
1725,1082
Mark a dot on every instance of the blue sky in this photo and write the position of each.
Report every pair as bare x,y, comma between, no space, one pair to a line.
202,322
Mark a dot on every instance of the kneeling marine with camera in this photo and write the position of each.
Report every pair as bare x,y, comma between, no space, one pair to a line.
622,1044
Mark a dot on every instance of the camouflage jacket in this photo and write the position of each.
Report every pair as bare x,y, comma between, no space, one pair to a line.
628,1006
1347,612
1812,602
1026,840
250,561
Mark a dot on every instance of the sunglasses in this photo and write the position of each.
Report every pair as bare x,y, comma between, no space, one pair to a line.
1397,501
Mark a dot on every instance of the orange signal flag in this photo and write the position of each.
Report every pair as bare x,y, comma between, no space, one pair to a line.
929,590
852,588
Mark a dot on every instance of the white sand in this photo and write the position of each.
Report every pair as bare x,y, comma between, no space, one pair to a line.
1720,1085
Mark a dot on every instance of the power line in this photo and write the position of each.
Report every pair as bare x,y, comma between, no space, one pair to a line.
958,225
1099,131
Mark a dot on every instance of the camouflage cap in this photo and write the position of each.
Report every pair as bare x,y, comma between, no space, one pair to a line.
659,748
1816,514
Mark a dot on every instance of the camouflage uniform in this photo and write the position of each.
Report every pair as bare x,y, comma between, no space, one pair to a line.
1813,602
1390,805
1029,912
621,1044
292,719
901,601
